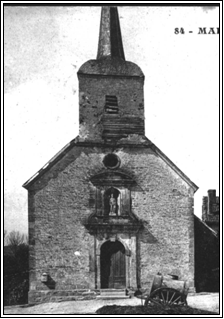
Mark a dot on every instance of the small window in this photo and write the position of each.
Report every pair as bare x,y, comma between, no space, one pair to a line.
111,161
111,106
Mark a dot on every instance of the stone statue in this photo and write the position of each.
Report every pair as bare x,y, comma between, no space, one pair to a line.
113,205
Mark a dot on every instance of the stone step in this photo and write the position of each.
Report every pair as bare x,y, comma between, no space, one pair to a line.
112,297
106,292
112,289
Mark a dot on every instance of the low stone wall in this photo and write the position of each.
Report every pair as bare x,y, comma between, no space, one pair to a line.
40,296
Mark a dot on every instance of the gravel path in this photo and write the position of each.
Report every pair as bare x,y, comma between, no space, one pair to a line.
208,302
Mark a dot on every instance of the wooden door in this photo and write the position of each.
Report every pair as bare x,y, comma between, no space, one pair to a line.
117,278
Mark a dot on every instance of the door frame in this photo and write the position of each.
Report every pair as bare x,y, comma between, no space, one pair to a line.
128,254
116,262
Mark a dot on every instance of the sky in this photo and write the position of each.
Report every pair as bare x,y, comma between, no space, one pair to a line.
43,50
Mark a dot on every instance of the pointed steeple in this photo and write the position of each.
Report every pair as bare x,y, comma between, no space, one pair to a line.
110,40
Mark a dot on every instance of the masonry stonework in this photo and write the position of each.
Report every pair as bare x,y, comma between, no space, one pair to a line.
211,210
79,241
92,102
61,204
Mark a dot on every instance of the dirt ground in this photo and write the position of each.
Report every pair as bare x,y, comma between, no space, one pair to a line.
202,301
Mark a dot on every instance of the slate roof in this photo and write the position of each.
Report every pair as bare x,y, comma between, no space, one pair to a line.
110,56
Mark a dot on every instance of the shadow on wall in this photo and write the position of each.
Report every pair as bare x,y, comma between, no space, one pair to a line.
207,259
50,283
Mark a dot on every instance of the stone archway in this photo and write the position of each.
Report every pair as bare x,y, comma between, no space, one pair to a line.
112,265
129,242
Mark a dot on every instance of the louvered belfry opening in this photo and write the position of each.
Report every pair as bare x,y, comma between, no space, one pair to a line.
111,104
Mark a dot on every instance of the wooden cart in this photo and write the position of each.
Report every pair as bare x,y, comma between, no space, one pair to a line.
165,291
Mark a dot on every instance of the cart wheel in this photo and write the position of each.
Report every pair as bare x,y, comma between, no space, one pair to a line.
166,297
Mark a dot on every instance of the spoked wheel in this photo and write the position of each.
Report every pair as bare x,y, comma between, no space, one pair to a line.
166,297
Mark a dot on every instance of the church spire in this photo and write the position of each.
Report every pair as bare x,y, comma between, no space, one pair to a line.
110,41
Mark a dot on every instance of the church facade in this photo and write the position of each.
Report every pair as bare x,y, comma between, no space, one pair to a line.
110,209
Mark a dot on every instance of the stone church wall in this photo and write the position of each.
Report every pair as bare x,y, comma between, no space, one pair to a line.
165,203
59,204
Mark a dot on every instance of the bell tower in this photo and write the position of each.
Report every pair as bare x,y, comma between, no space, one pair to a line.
111,102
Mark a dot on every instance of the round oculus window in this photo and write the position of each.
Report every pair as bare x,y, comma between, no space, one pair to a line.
111,161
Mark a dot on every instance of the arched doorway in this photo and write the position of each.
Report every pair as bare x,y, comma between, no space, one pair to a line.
112,265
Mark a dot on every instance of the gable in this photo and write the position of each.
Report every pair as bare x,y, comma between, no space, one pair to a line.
73,149
173,166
